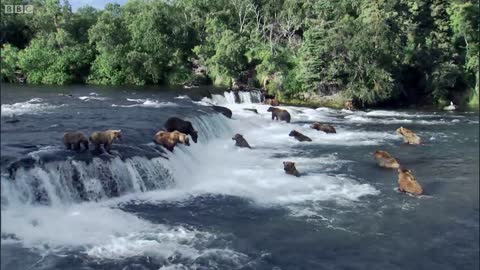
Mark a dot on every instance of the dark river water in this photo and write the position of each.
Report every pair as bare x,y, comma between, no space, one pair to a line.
211,205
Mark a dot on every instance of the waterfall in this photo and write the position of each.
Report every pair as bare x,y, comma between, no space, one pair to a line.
68,180
248,97
230,97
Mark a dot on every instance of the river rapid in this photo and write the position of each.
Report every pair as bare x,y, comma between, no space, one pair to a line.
211,205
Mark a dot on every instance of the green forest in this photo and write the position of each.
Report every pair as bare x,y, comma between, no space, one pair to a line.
371,51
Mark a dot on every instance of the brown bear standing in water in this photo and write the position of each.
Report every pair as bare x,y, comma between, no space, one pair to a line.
289,168
240,141
75,140
385,160
323,127
170,139
279,114
408,136
408,183
271,102
299,136
105,138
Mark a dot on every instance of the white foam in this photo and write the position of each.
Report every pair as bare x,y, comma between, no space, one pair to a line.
220,168
78,225
182,97
147,103
92,96
32,106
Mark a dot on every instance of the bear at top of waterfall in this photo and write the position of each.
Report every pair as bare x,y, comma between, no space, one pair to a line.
323,127
279,114
271,101
74,140
240,141
289,168
223,110
105,138
408,136
408,183
385,160
170,139
299,136
175,123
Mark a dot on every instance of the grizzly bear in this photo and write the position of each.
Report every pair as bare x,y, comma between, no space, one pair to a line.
175,123
289,168
323,127
385,160
271,102
408,183
105,138
170,139
299,136
348,105
225,111
75,140
279,114
408,136
240,141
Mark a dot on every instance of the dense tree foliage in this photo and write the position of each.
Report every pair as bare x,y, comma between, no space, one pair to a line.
375,52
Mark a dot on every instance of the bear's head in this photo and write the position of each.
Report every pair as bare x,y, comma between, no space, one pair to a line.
400,130
271,109
378,153
293,133
237,137
194,135
117,134
288,165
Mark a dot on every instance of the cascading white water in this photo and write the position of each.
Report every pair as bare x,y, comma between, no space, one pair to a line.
230,97
70,181
247,97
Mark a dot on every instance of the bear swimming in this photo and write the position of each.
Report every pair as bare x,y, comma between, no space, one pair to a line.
408,183
225,111
240,141
105,138
289,168
385,160
323,127
74,140
299,136
272,102
279,114
408,136
170,139
175,123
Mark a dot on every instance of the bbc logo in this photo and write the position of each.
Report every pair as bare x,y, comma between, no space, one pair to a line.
18,9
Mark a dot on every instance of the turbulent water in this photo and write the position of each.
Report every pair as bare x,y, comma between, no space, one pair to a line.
211,205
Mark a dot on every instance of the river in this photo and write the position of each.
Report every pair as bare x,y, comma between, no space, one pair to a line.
211,205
